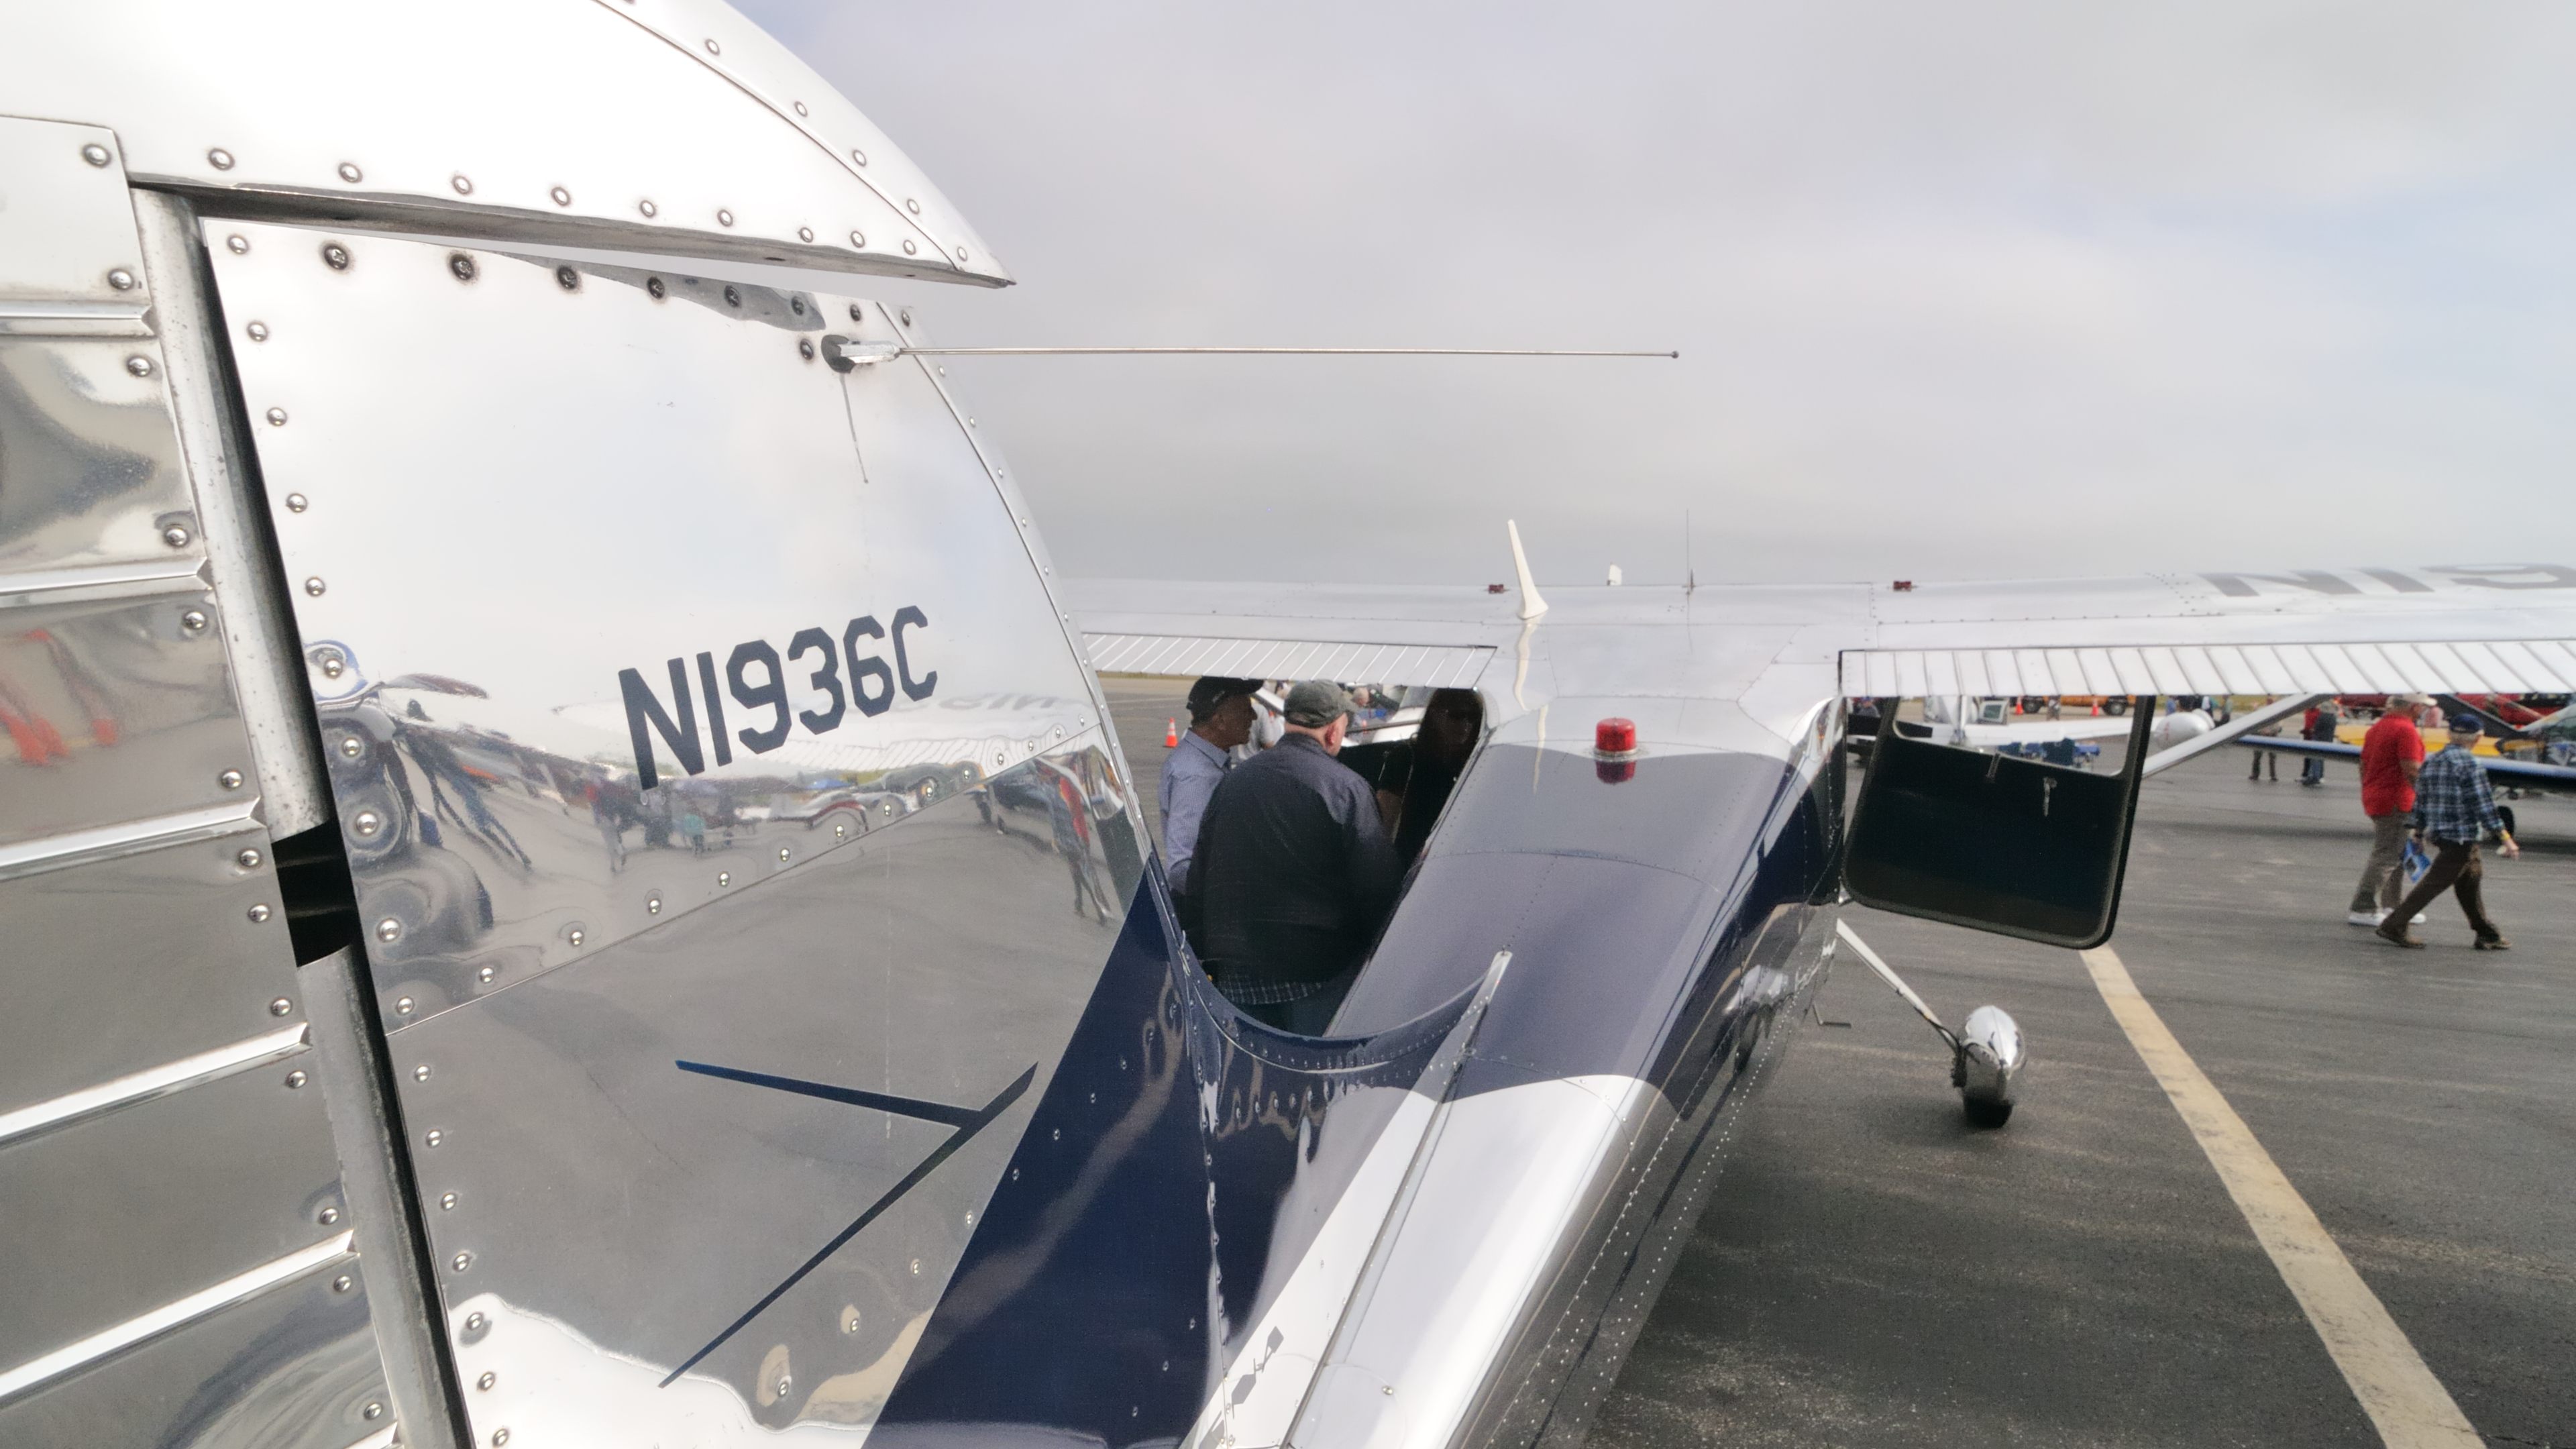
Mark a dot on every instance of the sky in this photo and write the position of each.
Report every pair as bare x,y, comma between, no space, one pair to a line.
1973,290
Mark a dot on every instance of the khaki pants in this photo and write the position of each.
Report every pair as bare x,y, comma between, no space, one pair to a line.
2453,865
2381,881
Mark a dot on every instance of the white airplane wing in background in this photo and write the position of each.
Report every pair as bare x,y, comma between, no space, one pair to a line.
2508,628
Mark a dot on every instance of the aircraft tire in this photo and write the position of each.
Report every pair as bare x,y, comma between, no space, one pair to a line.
1987,1114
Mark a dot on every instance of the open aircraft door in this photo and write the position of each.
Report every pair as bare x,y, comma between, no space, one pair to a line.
1995,842
702,1083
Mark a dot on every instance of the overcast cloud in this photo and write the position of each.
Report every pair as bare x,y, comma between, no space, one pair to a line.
1961,290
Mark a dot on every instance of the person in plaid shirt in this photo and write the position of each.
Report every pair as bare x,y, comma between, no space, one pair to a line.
2453,808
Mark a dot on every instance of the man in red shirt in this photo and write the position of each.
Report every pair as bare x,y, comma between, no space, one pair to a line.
2390,755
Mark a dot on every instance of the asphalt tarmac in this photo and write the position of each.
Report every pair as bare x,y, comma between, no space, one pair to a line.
1873,1272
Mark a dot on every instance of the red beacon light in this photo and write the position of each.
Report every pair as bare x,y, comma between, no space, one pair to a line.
1614,750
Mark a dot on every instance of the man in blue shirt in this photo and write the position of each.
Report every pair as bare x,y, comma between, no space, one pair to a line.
2453,808
1220,719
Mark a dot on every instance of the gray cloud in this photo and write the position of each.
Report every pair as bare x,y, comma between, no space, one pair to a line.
1976,289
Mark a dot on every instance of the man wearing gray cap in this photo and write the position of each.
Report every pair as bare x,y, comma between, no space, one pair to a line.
1294,872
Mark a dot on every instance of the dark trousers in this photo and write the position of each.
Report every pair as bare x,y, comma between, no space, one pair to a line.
2455,866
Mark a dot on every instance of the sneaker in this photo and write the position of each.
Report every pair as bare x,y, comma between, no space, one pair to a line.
2364,918
2384,915
2495,943
2398,938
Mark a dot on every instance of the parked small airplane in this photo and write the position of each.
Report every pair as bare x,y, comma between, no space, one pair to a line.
453,446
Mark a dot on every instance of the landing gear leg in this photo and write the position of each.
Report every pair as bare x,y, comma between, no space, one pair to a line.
1985,1052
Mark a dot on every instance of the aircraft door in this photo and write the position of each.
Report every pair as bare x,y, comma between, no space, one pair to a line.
734,834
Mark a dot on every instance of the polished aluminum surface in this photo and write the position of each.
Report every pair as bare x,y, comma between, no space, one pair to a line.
276,1357
614,1216
568,566
93,995
383,1212
66,233
267,672
650,126
160,1081
111,1217
1990,1054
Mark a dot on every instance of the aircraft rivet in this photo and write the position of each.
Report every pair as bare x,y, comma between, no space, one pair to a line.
349,172
367,822
912,206
561,196
315,586
460,266
568,279
139,366
732,298
420,1073
782,852
259,915
237,244
916,1267
230,779
857,239
335,256
192,620
248,859
486,1381
1388,1390
961,254
486,973
121,279
723,217
839,831
447,1204
343,1283
221,160
724,877
859,156
332,665
805,349
784,1384
714,49
435,1137
463,184
653,905
500,1437
461,1262
295,1079
647,207
258,331
297,503
904,316
804,233
800,107
389,929
277,417
372,1412
474,1322
95,154
575,935
328,1216
351,747
909,249
175,536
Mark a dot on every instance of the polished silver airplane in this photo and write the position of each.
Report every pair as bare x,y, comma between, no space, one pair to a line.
544,758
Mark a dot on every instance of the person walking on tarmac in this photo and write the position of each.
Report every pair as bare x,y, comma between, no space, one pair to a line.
2391,754
2453,808
2322,722
1294,872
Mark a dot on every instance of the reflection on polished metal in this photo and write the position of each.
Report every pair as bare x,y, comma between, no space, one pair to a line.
1990,1052
158,1081
207,1301
657,112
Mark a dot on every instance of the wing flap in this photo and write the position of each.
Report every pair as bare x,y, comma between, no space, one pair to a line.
2320,667
1437,665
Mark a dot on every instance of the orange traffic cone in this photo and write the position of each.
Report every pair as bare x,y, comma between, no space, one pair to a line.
1171,734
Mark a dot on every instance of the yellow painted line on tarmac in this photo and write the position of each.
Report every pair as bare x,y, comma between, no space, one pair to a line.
2405,1402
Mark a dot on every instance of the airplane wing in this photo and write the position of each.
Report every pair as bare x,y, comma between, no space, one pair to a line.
2498,628
2502,767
